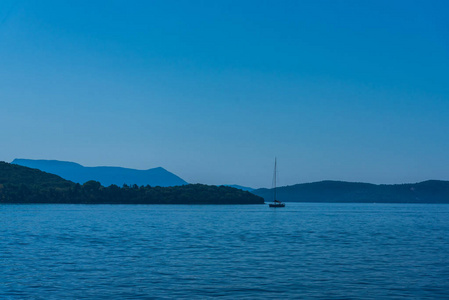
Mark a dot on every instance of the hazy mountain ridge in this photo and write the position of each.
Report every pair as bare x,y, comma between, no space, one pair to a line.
431,191
105,175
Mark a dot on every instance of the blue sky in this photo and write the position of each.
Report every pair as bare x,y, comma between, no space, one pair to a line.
214,90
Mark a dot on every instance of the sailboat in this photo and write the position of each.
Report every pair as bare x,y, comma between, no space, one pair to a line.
276,203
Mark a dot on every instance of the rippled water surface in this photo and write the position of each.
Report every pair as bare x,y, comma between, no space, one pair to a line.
328,251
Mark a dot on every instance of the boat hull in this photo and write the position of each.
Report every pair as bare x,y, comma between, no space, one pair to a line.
277,204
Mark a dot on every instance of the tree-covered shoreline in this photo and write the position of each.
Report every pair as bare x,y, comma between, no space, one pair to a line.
25,185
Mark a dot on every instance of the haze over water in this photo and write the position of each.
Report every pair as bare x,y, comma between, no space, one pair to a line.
327,251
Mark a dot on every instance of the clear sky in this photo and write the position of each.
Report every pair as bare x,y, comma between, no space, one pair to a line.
214,90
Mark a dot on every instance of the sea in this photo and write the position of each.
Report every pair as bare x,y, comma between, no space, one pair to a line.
302,251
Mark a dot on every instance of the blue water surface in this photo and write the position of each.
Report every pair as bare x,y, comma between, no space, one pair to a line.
307,251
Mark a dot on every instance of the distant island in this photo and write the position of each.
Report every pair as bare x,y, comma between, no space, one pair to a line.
105,175
431,191
19,184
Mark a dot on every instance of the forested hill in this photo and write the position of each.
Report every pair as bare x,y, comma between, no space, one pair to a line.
11,174
432,191
20,184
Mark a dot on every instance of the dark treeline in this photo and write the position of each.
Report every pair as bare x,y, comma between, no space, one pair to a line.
93,193
24,185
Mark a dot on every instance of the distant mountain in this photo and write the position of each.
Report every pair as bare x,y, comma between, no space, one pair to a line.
105,175
20,184
432,191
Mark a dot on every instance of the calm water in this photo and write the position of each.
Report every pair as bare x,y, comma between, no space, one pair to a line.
328,251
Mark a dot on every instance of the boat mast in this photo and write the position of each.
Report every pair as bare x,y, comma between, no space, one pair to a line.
274,179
